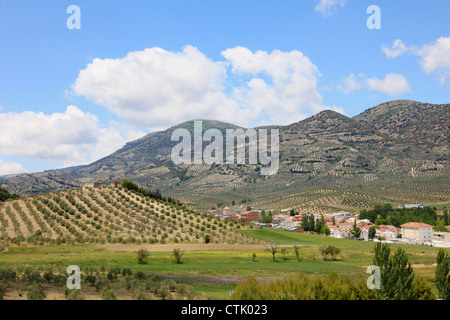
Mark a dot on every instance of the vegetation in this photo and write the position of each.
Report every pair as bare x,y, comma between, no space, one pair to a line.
304,287
142,255
107,215
397,274
442,275
385,214
5,195
178,254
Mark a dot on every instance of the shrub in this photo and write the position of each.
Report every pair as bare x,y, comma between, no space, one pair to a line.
142,255
36,292
75,295
108,294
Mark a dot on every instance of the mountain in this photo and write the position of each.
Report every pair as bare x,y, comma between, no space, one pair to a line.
413,122
389,153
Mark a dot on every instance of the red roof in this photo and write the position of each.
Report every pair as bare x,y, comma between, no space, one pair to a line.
416,225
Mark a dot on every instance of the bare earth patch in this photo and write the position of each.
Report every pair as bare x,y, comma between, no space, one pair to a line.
182,246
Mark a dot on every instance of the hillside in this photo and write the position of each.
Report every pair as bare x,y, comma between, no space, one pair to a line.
108,215
395,152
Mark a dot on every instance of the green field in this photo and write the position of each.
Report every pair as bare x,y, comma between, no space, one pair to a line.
215,272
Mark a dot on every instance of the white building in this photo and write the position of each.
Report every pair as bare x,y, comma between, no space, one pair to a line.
417,231
441,239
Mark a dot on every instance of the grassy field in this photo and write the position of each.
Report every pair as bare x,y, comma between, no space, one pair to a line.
215,272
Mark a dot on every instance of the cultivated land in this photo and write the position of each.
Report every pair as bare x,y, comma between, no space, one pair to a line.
213,270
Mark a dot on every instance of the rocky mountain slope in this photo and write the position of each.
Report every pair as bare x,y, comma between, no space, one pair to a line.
392,142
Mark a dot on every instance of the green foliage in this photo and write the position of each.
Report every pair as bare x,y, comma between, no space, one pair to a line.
356,231
5,195
396,273
442,275
331,287
3,287
142,255
330,250
178,254
36,292
129,185
372,232
385,214
308,223
297,252
265,218
440,227
75,295
421,290
108,294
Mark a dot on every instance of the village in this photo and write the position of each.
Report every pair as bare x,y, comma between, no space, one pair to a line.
341,225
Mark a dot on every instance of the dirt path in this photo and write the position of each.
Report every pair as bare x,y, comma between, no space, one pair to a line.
215,280
182,246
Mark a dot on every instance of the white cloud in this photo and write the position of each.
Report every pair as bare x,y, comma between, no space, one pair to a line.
328,7
292,88
155,88
398,48
393,84
69,138
350,83
10,168
434,58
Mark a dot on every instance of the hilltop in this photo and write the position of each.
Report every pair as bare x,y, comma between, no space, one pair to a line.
395,152
108,215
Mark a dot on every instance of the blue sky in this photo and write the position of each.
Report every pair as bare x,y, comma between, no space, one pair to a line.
158,63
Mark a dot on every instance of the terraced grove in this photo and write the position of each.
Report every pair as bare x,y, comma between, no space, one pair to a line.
108,215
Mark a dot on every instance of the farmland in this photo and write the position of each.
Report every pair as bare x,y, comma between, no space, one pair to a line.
213,271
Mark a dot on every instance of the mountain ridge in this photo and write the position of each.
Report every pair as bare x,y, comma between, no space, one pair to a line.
327,149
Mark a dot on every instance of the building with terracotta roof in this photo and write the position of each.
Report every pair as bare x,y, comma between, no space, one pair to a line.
417,231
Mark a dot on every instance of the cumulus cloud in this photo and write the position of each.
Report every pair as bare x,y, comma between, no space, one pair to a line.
434,58
10,168
155,88
69,138
350,83
291,90
397,49
393,84
328,7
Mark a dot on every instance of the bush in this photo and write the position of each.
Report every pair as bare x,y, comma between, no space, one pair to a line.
75,295
91,279
3,287
108,294
142,255
36,292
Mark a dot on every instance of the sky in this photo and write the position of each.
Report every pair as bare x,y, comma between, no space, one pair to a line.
77,83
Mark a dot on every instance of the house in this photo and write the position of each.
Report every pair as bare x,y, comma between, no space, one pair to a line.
441,239
340,216
387,232
340,232
417,231
248,216
95,185
281,218
411,206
